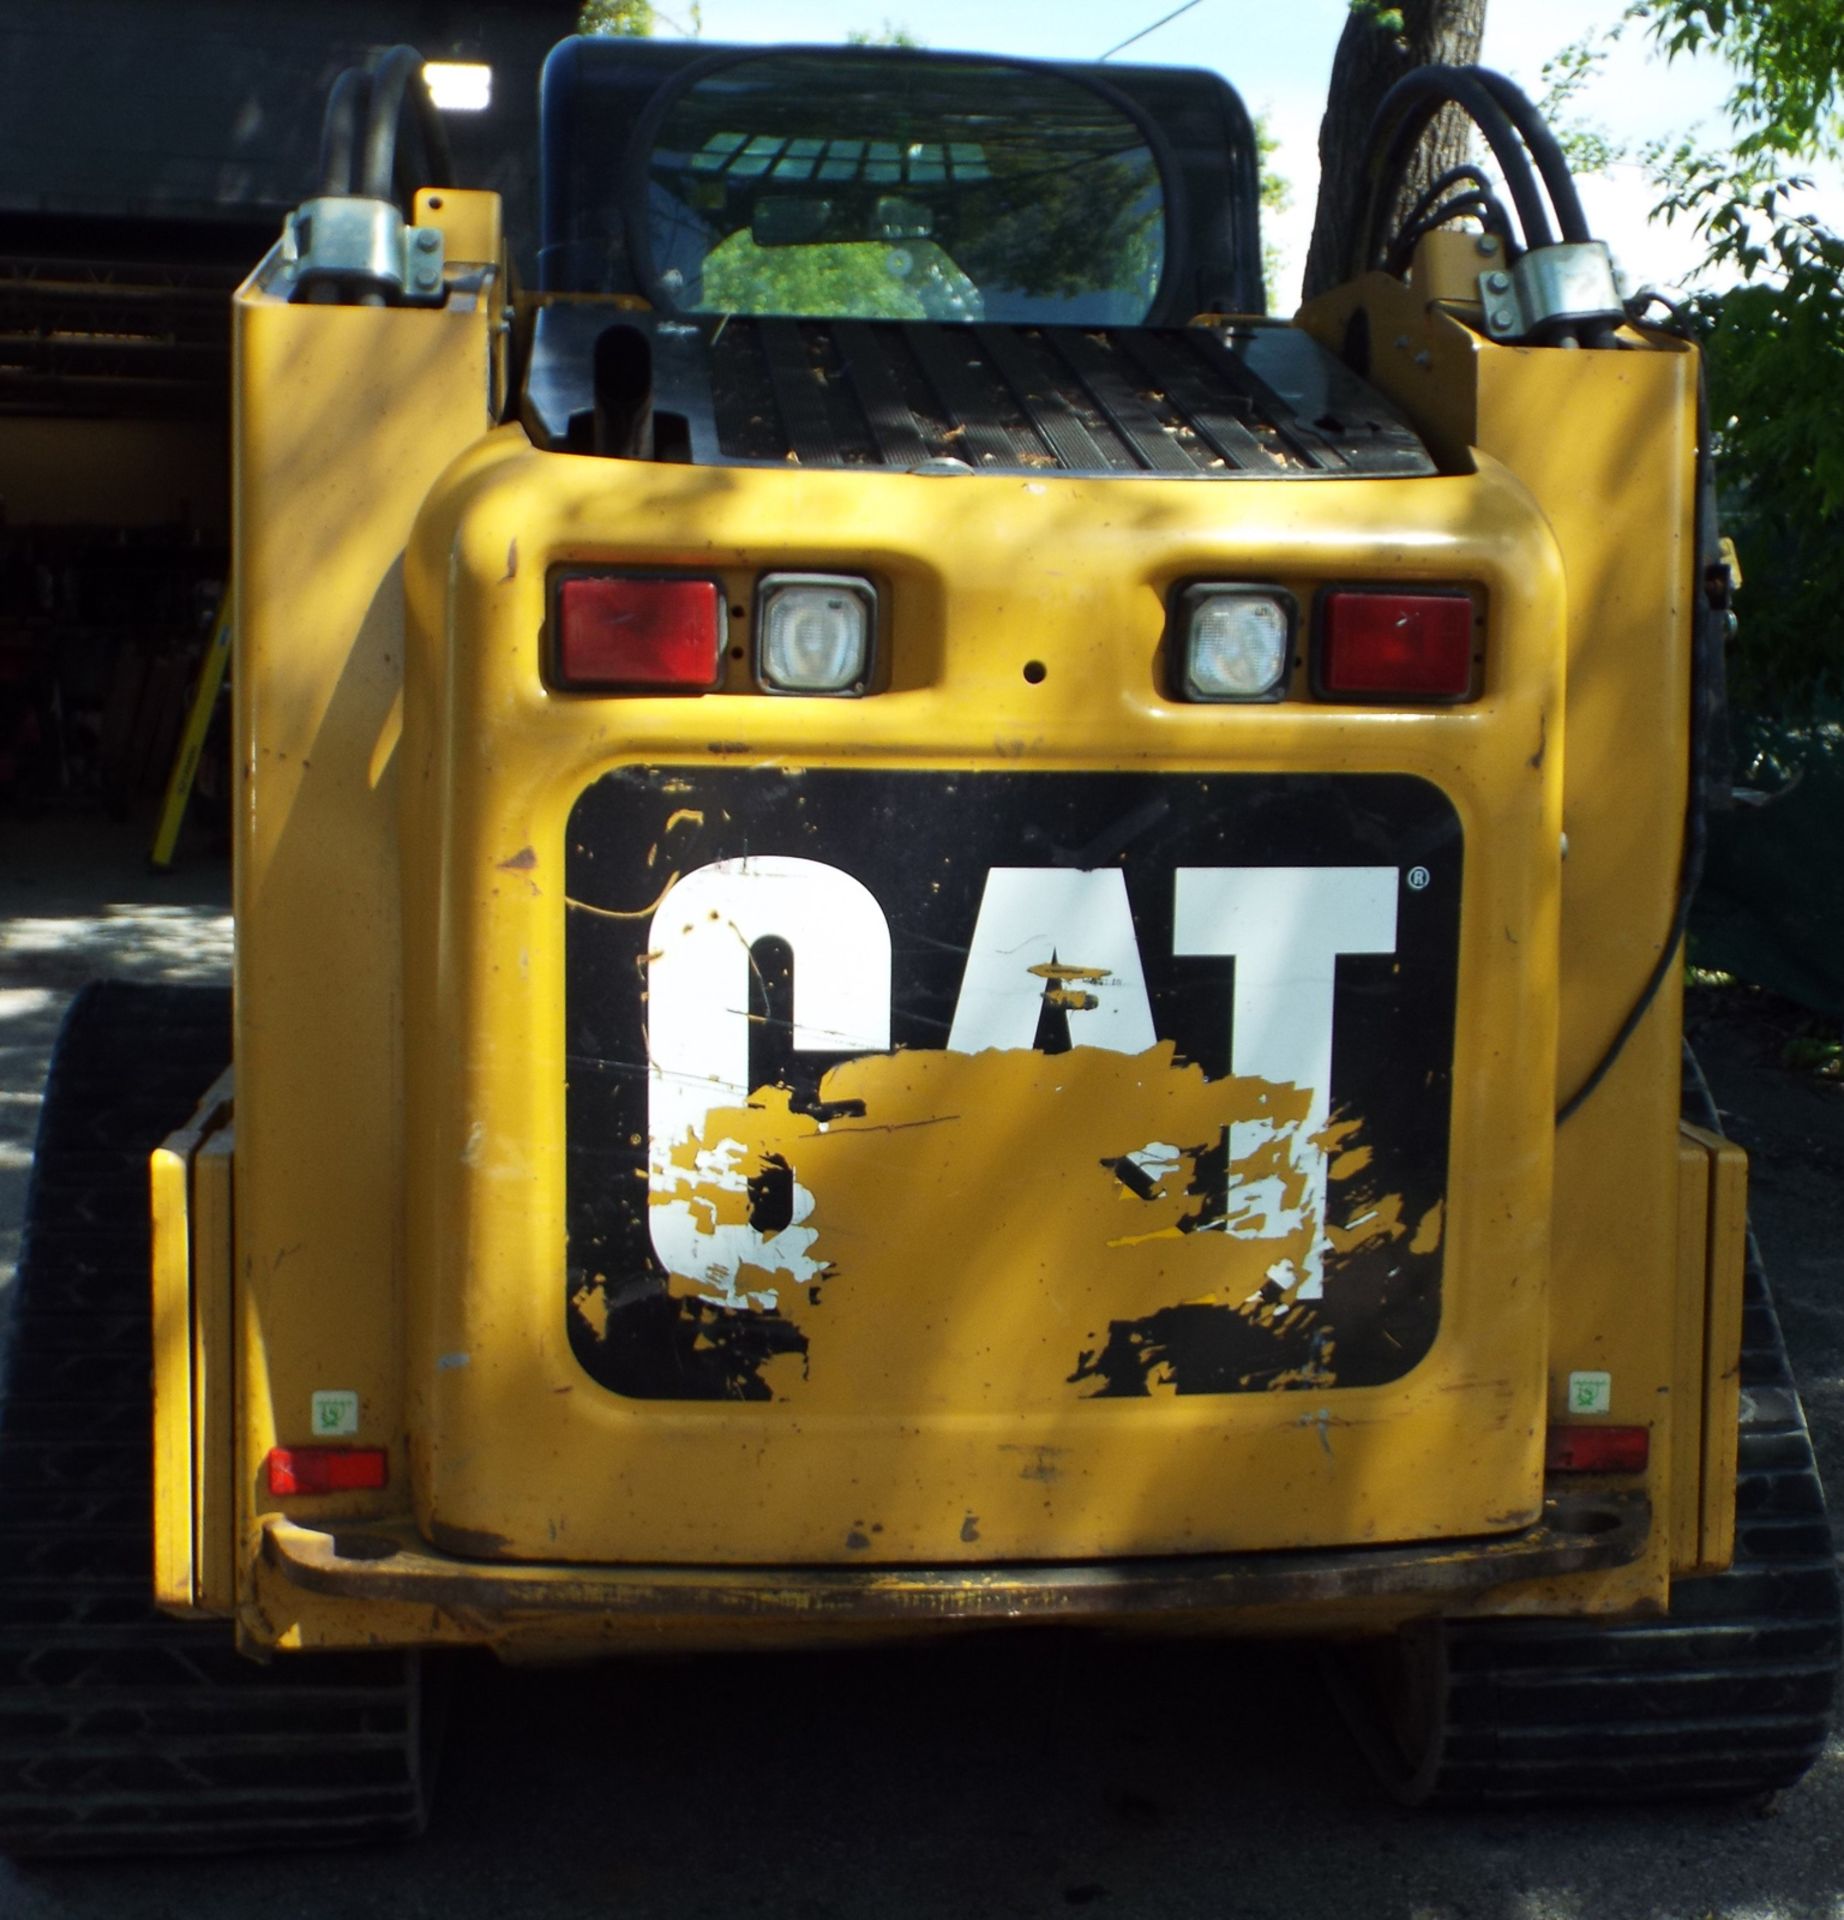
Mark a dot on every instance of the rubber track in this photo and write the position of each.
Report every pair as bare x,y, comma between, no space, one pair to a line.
123,1730
1728,1697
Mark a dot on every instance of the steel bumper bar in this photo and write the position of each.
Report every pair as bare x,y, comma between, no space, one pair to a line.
1579,1532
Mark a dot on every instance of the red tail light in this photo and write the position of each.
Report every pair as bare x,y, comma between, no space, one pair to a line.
1598,1449
1377,645
327,1469
637,633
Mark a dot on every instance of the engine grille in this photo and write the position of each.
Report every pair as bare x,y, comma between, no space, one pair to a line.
1176,401
1247,400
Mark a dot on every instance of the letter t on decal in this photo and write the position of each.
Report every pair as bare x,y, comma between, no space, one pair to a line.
1285,927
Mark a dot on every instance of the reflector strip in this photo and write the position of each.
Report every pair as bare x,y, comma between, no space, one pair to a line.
1373,645
327,1469
1598,1449
638,633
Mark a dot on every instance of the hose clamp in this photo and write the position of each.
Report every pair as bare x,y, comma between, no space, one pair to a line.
353,242
1566,285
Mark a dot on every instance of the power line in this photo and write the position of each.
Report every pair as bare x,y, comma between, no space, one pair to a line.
1154,28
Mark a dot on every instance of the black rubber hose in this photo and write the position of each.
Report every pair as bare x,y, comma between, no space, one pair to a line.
1469,176
339,131
399,76
1396,131
1545,150
1483,207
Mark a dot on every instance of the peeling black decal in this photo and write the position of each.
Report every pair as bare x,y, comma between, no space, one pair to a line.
923,845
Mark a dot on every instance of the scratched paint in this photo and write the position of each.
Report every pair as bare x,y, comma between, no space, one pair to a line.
1038,1172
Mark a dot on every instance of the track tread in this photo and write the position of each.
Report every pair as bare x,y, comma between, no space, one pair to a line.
123,1730
1729,1697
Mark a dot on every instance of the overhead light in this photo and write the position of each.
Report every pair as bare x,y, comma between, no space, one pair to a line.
459,86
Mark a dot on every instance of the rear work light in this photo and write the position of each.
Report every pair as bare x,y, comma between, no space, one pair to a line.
1597,1449
637,632
328,1469
1381,645
813,633
1232,642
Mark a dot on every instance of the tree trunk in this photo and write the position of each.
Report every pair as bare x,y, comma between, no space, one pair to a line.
1371,58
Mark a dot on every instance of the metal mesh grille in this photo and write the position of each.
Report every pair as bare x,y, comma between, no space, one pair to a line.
1131,400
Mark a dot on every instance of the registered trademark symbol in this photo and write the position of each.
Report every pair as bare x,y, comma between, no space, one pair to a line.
1418,878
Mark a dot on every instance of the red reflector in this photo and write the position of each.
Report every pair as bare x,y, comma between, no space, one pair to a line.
1598,1449
327,1469
639,633
1384,643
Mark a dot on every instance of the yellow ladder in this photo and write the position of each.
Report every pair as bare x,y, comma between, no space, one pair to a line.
192,739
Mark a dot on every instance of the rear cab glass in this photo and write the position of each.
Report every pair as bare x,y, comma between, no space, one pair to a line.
959,190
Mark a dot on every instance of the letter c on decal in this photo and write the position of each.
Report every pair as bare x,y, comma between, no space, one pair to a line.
698,979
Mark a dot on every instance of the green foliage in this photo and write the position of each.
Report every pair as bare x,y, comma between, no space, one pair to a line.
1276,197
637,19
1387,17
885,36
633,19
865,278
1772,326
1790,54
1566,75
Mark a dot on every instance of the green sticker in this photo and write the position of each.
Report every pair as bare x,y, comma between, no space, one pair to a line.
335,1414
1590,1392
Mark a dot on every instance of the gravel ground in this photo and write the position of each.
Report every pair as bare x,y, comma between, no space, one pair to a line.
1024,1776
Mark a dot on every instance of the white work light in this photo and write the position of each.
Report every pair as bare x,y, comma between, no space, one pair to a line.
813,633
1236,642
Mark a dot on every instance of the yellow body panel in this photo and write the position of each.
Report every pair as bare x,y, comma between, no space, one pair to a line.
214,1436
1687,1384
345,416
1725,1264
174,1584
191,1251
1584,430
408,785
1070,574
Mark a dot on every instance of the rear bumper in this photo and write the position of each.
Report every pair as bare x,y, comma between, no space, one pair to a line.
534,1604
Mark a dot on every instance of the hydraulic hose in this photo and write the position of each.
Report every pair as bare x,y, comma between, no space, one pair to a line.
1545,150
397,78
339,131
1396,131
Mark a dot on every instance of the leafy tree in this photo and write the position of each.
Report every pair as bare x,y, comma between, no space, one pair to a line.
637,19
1774,338
886,36
1276,197
633,19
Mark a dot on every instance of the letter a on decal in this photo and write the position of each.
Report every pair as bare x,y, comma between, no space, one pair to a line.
1044,927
